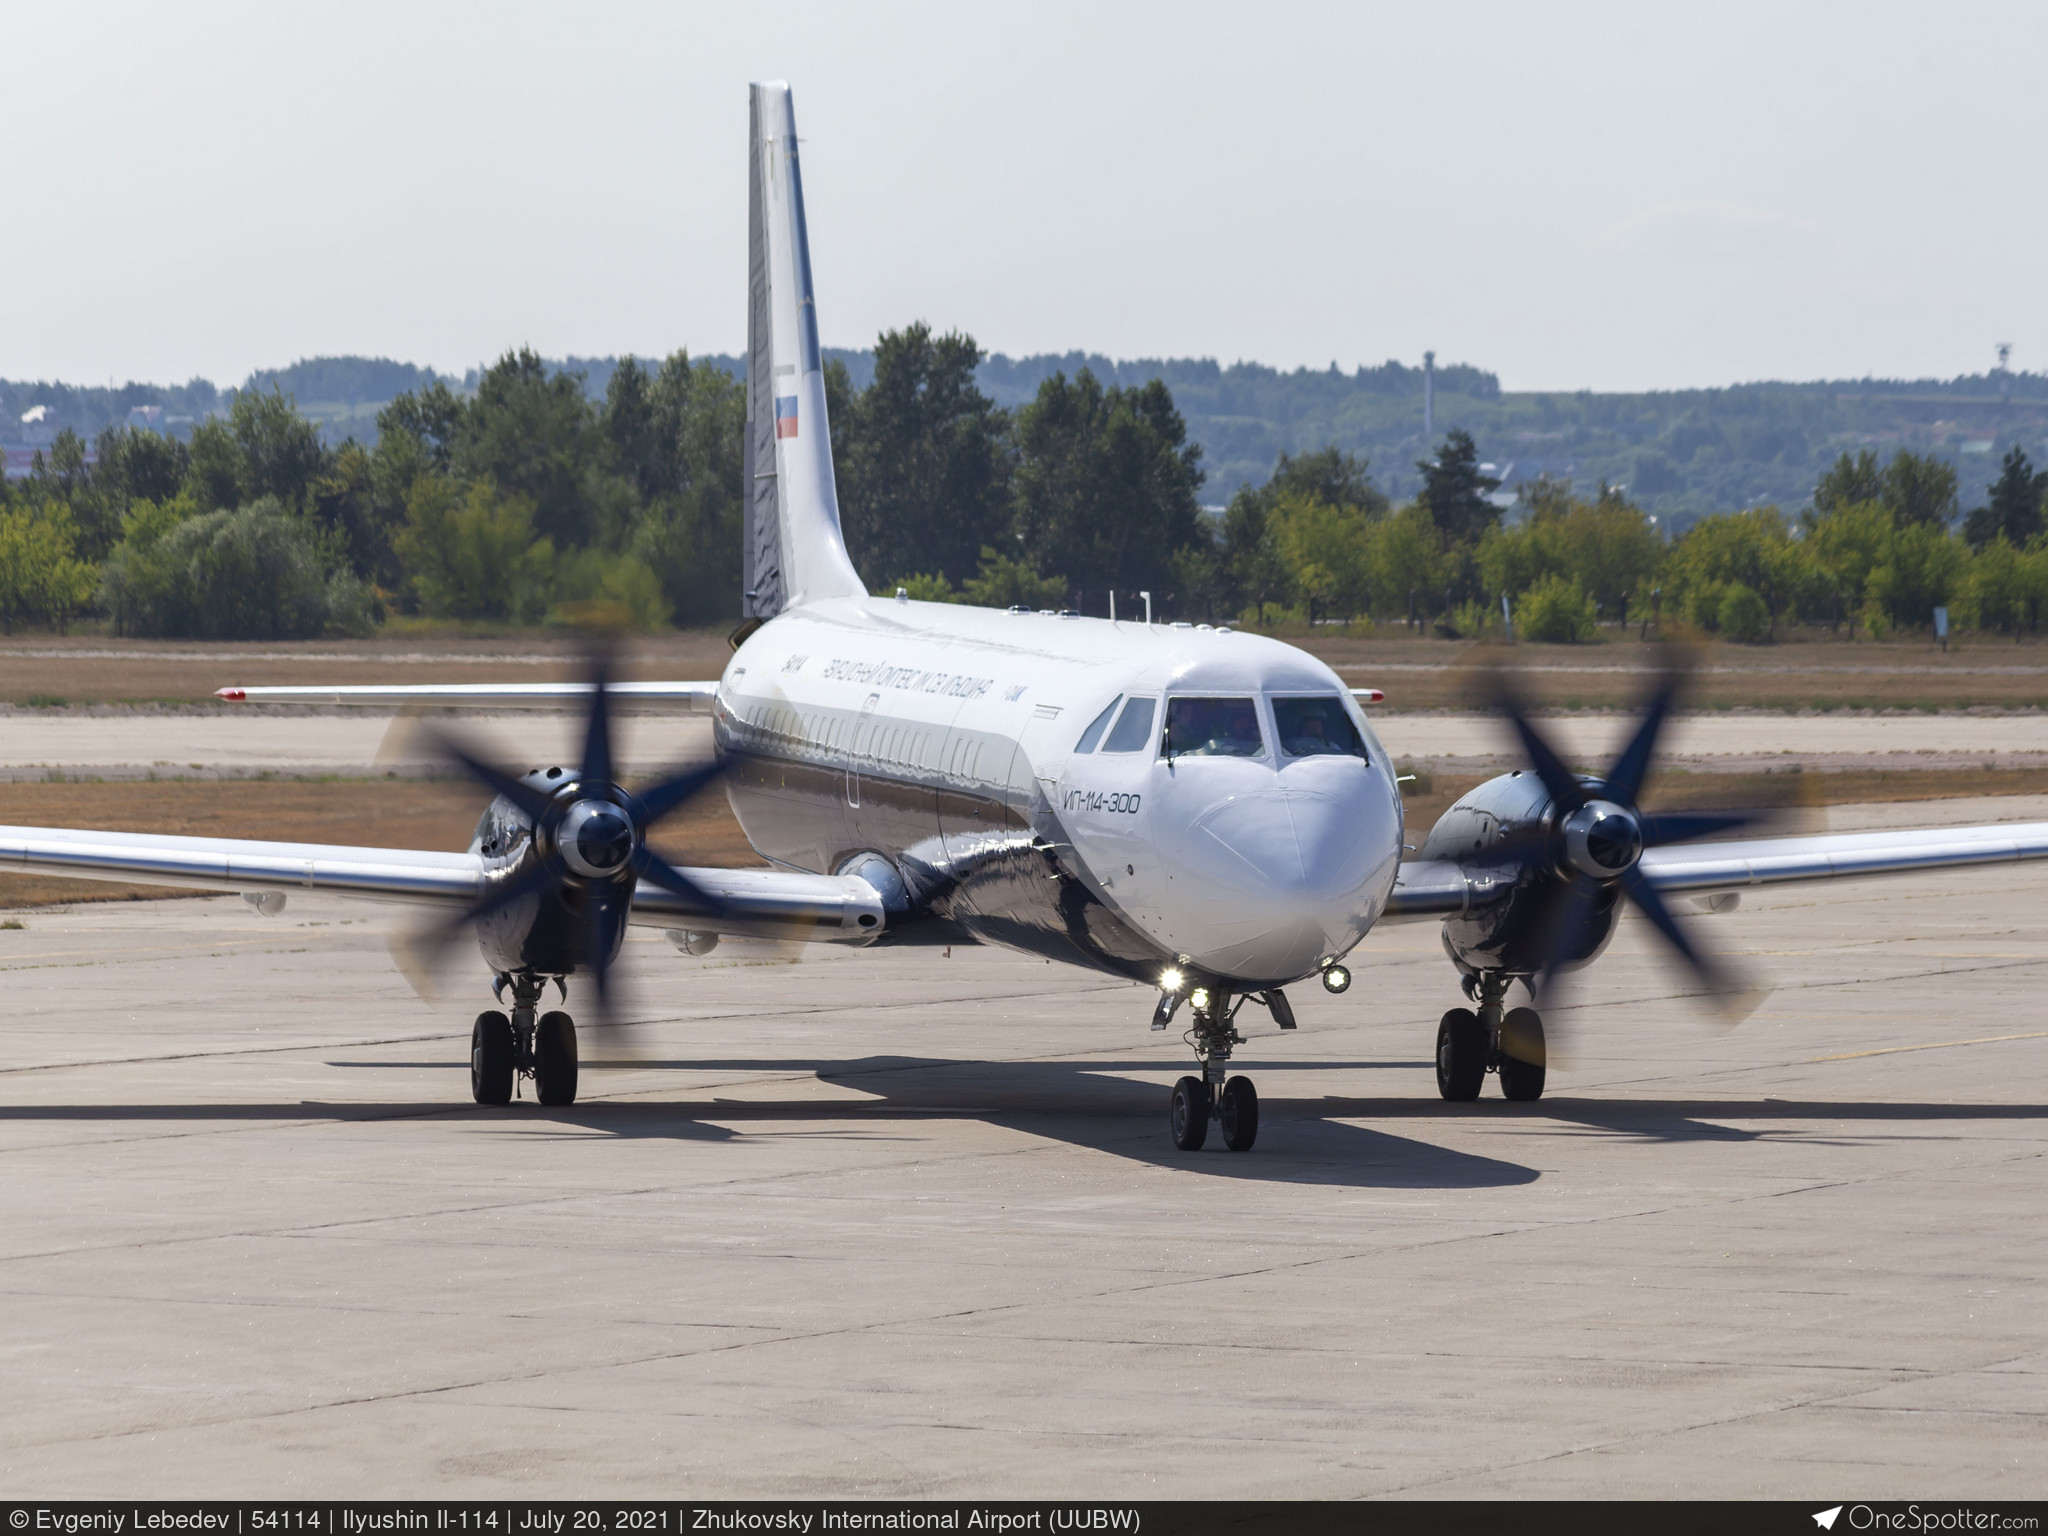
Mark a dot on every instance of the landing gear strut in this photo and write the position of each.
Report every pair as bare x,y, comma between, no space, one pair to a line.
1508,1042
503,1050
1230,1101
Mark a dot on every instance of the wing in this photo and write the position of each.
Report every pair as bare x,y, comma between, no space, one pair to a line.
690,698
757,903
1443,887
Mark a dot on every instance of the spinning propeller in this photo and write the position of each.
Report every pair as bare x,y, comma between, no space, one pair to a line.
1594,839
589,848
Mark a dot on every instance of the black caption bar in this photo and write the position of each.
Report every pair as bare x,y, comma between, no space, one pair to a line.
797,1517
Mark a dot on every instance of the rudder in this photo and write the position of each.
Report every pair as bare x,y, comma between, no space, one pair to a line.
795,552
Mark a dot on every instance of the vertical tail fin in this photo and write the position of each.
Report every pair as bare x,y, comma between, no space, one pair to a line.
795,552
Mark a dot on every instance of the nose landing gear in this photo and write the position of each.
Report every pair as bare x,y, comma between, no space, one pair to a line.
1508,1042
1230,1101
503,1050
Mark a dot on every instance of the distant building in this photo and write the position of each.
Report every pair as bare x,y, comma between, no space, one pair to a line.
148,417
39,426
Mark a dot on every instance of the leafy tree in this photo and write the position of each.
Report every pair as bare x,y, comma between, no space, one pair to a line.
42,582
1846,544
133,466
1330,476
1849,482
1922,569
281,454
689,533
531,433
214,466
2017,505
1754,549
1250,568
1455,491
1409,556
345,499
1557,611
1327,550
1919,490
428,417
1743,614
925,587
472,552
1106,483
930,467
1007,581
257,573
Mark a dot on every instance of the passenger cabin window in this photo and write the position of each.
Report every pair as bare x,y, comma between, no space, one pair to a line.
1097,726
1213,728
1133,732
1316,728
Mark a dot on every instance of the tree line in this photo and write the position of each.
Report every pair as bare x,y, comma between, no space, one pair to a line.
525,500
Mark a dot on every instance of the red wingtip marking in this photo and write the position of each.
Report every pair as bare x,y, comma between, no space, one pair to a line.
1374,696
232,695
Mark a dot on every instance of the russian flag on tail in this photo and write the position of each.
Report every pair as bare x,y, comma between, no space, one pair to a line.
785,415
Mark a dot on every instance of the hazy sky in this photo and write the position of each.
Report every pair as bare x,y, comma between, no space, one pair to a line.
1577,195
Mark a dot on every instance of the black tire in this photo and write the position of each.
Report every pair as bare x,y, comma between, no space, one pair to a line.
554,1059
1523,1057
1460,1056
491,1058
1190,1114
1240,1114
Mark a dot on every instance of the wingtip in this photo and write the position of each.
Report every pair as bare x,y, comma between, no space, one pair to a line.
232,695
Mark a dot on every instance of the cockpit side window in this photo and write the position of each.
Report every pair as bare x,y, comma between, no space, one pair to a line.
1318,727
1097,726
1133,732
1213,728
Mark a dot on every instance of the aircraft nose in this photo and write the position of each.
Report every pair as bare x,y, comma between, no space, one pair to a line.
1276,881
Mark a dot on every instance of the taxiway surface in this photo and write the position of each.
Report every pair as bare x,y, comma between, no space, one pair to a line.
897,1224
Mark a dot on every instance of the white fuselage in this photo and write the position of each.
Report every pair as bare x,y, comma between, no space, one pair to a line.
943,738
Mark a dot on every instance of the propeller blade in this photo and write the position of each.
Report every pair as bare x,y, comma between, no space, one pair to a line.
1731,994
1564,928
533,802
605,910
1625,778
1564,787
1684,826
597,729
650,866
677,790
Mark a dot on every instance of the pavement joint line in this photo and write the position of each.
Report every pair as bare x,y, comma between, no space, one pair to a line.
1937,1045
240,1050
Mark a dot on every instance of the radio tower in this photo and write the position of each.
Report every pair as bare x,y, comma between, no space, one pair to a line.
1428,395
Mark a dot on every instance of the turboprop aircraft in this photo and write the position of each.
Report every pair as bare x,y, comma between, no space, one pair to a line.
1207,812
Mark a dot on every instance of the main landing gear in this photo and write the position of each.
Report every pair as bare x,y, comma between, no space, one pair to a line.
502,1050
1506,1042
1231,1102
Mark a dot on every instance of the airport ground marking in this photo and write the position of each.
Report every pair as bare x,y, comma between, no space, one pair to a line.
1934,1045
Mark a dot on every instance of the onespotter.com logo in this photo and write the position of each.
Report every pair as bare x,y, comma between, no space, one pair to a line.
1861,1517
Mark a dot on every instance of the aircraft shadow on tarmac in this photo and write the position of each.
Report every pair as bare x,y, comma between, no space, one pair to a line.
1304,1140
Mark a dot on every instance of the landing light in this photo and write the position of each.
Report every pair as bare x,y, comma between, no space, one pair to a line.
1199,997
1171,980
1335,978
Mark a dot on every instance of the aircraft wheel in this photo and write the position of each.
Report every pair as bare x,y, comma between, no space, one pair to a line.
491,1057
1190,1114
554,1059
1522,1056
1240,1114
1460,1056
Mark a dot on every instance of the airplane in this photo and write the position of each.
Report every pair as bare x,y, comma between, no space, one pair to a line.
1204,811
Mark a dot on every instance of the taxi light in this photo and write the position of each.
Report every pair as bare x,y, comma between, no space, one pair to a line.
1171,980
1336,978
1199,997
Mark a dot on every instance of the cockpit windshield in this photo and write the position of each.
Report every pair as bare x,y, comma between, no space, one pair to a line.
1213,728
1317,727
